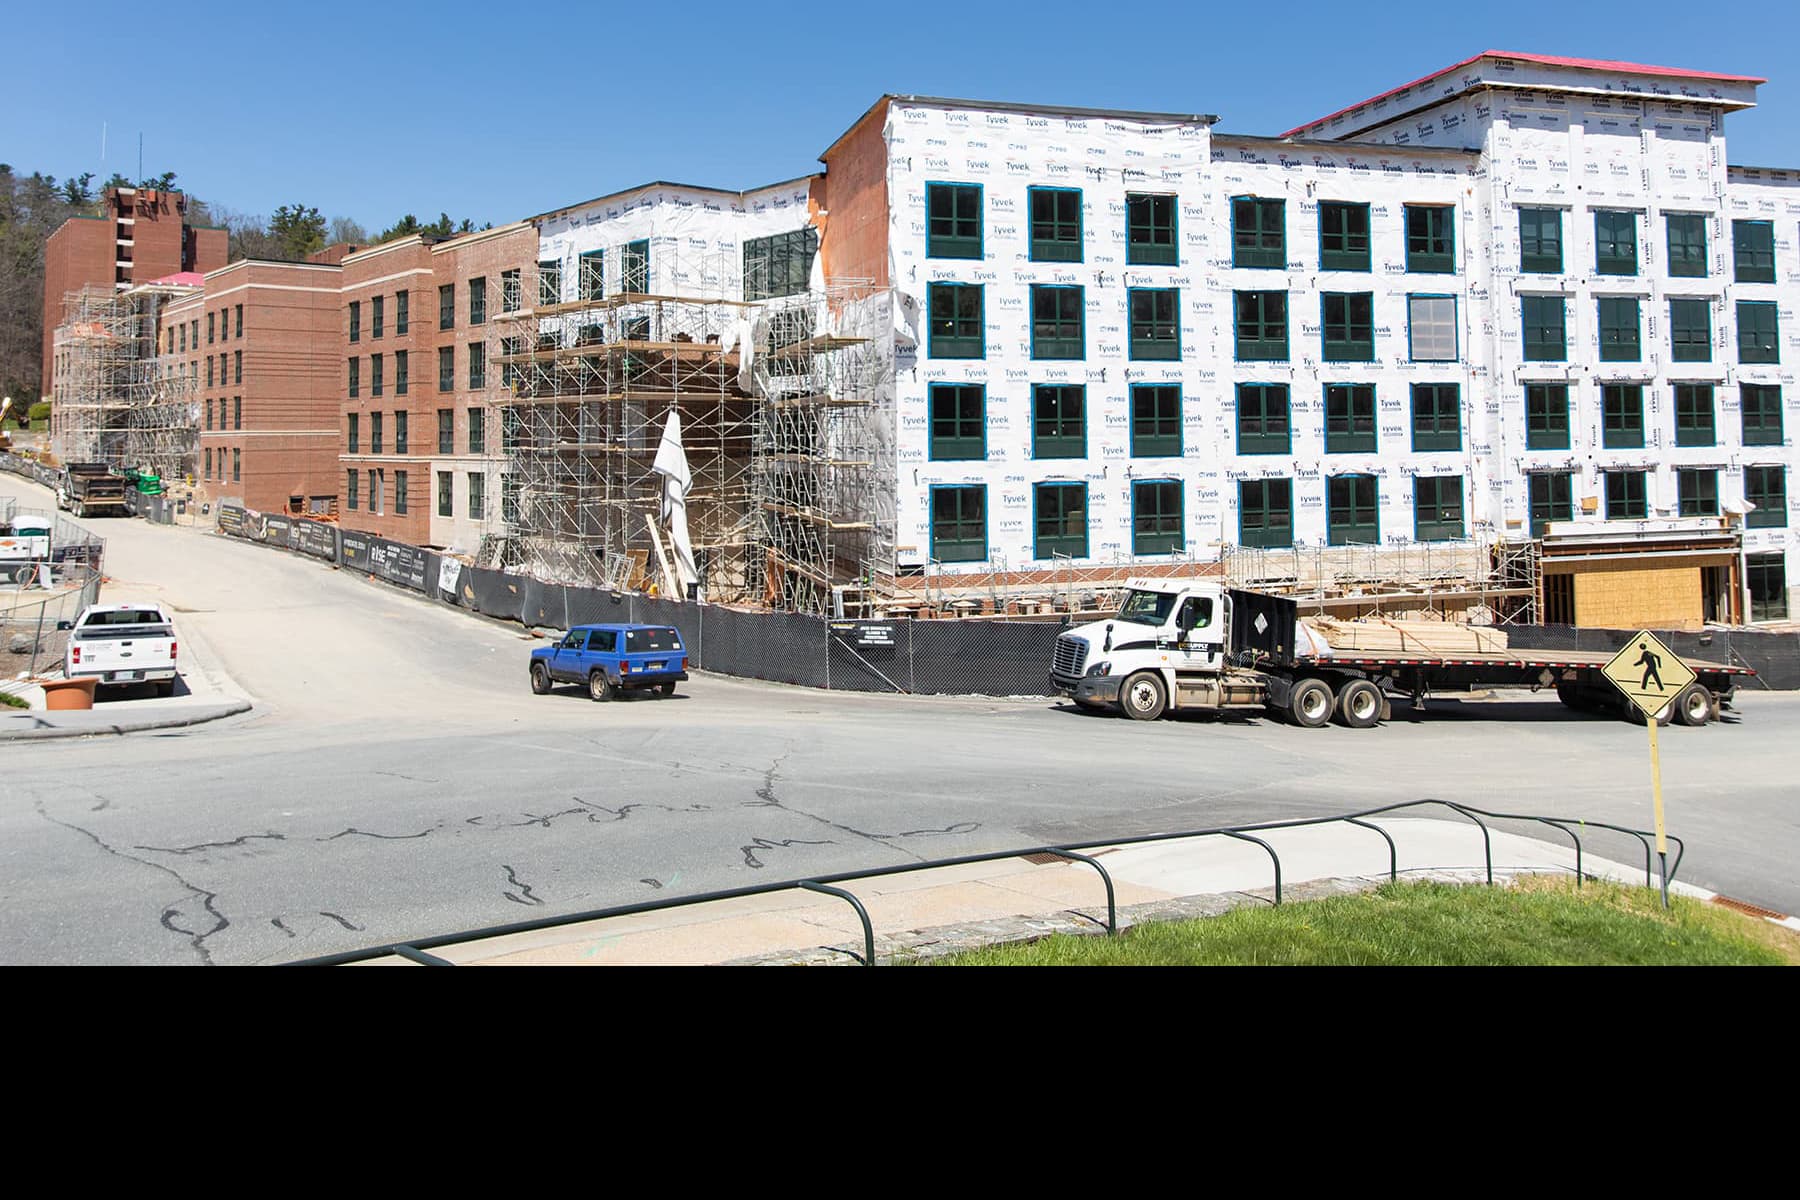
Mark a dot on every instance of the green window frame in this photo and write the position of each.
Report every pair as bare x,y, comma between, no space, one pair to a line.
446,418
352,478
355,322
1150,230
780,264
375,433
400,431
1758,332
1619,329
239,311
1266,513
477,365
1760,406
634,267
402,312
1687,245
210,318
477,434
1615,243
477,496
375,383
1540,241
1264,424
446,481
377,309
1352,510
1156,420
958,422
1766,577
401,372
1350,418
959,523
355,377
590,275
1545,321
1059,520
1698,492
478,300
1690,330
447,306
1431,239
549,289
1438,508
1055,215
1436,416
1622,416
1694,422
1258,232
1155,318
1059,420
1753,251
237,367
1344,236
400,492
1058,322
955,321
953,220
1158,524
355,430
1550,496
1261,325
1766,488
1348,325
1627,495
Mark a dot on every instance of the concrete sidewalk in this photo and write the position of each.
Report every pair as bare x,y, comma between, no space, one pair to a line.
130,716
926,914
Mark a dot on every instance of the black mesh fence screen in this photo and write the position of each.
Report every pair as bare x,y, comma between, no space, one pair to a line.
1774,656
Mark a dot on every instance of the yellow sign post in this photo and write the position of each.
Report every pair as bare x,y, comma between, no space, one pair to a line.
1652,678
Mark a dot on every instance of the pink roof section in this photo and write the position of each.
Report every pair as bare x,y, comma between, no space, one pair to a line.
1552,60
183,279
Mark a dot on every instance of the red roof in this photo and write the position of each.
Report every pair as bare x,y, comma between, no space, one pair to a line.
183,279
1553,60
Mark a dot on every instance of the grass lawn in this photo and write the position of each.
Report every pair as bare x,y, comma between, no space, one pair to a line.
1538,921
8,700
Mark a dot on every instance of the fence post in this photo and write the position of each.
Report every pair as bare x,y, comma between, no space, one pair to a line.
38,638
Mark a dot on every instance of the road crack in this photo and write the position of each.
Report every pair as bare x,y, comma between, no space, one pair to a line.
525,895
769,796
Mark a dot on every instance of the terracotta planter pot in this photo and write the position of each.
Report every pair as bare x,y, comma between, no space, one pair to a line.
66,694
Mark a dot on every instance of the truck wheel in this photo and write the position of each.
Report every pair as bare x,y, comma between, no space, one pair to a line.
665,689
1142,697
599,686
1311,703
1695,705
1635,715
1359,705
540,679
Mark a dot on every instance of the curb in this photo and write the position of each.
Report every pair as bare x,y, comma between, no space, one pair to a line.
175,721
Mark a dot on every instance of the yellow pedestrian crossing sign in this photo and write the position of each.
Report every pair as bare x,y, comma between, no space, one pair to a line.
1648,673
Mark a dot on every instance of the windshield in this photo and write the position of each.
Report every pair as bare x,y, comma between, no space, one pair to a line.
642,641
1147,608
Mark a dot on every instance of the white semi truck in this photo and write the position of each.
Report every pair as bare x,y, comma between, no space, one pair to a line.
1197,646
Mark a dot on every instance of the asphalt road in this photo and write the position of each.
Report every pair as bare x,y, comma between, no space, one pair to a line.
398,779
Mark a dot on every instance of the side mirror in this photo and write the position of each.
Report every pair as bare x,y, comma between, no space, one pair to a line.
1184,620
64,626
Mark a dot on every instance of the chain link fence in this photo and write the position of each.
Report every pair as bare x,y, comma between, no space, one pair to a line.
31,642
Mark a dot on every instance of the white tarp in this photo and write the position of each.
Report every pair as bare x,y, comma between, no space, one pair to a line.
672,464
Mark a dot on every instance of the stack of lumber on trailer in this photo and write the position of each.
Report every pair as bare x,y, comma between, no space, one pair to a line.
1429,638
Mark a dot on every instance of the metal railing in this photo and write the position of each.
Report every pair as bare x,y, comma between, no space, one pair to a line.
31,644
417,949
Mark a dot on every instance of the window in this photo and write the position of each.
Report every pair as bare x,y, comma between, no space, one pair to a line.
1615,243
1055,224
209,373
1155,421
352,477
959,524
1622,416
634,267
510,371
780,264
209,329
476,502
1551,499
237,412
509,499
400,372
1059,421
1619,329
1540,240
958,421
1059,520
1753,251
477,431
400,416
1437,508
355,421
1687,245
1265,512
1056,322
355,377
1343,236
184,339
1761,404
1262,419
478,300
1431,328
237,465
1766,488
446,486
1261,326
1156,518
1758,339
209,413
400,491
209,467
591,267
374,374
1436,416
1690,331
1349,418
955,321
1626,496
374,433
549,283
477,365
1766,576
447,306
1258,232
952,220
1694,415
240,321
1699,493
1546,338
446,431
1351,510
376,305
237,366
446,368
195,325
1349,326
402,312
512,291
1155,326
1150,230
1430,240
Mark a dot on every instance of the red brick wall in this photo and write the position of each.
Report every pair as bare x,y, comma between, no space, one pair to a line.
78,255
855,239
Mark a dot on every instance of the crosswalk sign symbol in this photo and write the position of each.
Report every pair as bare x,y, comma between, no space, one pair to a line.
1649,673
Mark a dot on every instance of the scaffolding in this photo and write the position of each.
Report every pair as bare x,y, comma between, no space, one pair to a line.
114,403
1482,580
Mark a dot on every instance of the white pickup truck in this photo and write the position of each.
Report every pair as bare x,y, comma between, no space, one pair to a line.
24,543
121,644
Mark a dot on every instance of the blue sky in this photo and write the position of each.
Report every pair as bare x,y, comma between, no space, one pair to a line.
496,112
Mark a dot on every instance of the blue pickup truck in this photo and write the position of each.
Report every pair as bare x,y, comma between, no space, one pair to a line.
611,659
